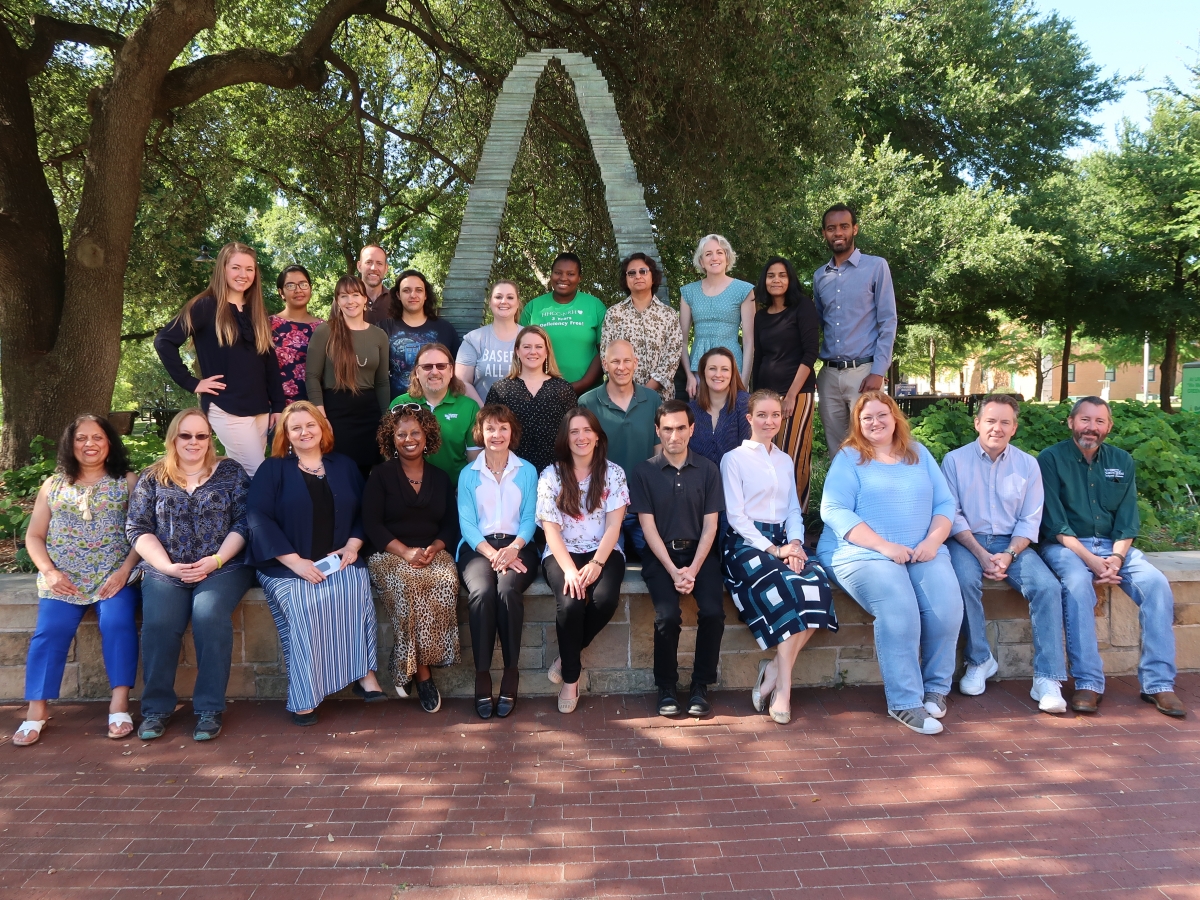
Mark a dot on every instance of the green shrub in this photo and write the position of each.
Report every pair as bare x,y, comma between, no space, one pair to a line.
943,427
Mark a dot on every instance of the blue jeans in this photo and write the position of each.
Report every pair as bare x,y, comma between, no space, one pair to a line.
166,610
1037,584
1145,585
57,623
918,612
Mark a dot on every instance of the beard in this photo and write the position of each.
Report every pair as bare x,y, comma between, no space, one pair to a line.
1088,439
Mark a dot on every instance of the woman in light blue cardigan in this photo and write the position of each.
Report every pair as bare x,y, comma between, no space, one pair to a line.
887,511
497,497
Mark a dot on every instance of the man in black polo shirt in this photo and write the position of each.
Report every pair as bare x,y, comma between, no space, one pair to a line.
677,497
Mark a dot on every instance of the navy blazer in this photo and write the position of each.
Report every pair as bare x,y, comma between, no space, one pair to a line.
281,516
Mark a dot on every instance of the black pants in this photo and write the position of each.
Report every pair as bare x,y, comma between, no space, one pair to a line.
709,593
579,621
496,603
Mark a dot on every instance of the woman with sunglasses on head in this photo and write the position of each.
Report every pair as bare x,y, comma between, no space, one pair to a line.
347,374
650,325
435,387
292,330
240,388
485,355
76,538
187,520
410,518
536,393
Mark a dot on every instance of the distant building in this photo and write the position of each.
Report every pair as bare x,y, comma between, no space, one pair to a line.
1083,378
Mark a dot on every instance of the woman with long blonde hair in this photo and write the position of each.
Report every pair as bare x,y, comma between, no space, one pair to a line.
187,521
347,373
240,387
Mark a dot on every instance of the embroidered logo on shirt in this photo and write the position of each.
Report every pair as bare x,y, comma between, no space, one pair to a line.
1114,474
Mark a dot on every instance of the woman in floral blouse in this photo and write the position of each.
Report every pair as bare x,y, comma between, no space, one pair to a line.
650,325
581,503
76,538
187,520
292,329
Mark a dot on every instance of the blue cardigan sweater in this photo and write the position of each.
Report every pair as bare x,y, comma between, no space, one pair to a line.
281,516
468,516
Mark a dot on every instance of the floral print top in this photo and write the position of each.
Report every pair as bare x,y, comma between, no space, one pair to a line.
291,349
190,526
86,538
656,340
582,535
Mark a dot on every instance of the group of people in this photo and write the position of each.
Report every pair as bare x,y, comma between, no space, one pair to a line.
413,462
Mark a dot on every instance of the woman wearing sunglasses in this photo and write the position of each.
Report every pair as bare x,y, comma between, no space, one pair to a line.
435,387
187,521
292,330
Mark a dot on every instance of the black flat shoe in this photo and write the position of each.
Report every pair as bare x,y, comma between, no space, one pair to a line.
505,705
483,706
305,719
367,696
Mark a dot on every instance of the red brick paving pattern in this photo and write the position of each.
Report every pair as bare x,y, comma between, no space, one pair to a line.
613,802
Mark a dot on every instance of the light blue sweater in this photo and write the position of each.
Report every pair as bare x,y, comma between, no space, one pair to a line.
898,502
468,515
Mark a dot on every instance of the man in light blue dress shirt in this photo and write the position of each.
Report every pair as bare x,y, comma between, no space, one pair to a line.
999,492
857,305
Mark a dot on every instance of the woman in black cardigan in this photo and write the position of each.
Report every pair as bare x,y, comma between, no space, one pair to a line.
411,518
304,506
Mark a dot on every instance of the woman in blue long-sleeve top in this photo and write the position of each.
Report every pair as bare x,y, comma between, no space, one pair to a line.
497,499
887,511
304,505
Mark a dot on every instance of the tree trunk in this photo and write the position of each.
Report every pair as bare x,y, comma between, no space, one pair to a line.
60,355
1039,366
1166,371
1064,385
933,365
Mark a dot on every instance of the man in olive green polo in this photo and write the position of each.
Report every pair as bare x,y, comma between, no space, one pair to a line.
435,387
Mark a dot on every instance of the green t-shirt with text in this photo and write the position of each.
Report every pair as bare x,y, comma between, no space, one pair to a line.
574,329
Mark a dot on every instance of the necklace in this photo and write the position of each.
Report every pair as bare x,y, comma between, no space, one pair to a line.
191,474
319,471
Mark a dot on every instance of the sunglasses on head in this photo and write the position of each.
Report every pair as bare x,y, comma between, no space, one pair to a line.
406,409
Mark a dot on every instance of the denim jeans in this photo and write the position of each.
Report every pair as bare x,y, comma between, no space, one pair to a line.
1145,585
1037,584
166,610
918,612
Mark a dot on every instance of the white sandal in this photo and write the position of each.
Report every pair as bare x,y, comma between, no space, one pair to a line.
119,718
29,726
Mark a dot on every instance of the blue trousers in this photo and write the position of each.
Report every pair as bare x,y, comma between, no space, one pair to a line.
1145,585
57,623
166,610
918,612
1037,584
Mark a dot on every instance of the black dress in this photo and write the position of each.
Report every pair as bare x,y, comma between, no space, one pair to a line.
782,343
540,415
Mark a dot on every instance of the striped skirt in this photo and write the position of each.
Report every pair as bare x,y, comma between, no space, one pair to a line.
327,631
773,601
795,439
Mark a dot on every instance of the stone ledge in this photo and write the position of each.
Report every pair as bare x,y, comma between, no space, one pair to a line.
620,660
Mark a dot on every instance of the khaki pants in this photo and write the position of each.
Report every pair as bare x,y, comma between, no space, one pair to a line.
837,390
244,437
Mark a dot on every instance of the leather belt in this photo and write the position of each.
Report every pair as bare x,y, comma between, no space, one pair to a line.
500,537
682,545
848,363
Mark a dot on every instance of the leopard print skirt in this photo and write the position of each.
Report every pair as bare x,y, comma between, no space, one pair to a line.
423,606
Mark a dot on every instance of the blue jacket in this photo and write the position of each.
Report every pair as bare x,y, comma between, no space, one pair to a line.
468,515
281,516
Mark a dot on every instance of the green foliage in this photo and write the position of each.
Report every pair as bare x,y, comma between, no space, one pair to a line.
143,449
1041,425
24,482
943,427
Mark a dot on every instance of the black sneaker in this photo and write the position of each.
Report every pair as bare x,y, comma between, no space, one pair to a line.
431,700
698,704
668,705
208,726
152,727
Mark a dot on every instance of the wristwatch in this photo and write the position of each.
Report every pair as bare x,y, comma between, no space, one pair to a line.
1010,551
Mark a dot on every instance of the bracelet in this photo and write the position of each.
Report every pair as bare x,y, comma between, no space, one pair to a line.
1120,556
217,557
599,565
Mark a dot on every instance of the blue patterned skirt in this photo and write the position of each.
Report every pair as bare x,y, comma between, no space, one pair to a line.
773,601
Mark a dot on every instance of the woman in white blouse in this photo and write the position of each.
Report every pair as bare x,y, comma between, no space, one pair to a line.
780,593
581,503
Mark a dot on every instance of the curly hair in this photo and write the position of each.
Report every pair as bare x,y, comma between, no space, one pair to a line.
385,437
116,464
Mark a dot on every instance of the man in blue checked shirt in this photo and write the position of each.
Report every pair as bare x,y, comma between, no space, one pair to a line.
998,489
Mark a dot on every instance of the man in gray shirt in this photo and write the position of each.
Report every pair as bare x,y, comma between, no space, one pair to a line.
998,488
857,305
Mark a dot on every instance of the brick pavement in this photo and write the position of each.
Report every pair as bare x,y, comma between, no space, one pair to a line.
387,802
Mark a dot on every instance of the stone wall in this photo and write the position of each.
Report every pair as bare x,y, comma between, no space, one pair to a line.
620,660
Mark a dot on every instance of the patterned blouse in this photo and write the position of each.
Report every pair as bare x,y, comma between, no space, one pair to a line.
656,337
582,535
291,349
86,539
190,526
732,428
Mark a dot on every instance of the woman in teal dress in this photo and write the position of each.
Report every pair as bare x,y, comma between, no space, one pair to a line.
718,306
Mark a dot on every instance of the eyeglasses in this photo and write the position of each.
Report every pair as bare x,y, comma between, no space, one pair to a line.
186,436
641,271
296,285
429,367
406,408
871,420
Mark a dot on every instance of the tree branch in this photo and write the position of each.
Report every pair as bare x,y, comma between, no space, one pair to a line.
49,32
434,41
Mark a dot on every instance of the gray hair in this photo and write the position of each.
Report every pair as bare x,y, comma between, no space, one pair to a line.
730,256
1094,401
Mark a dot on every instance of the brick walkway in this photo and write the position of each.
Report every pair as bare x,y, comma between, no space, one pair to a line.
613,801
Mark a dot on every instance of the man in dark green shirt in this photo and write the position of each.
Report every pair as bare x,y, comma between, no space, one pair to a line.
1089,523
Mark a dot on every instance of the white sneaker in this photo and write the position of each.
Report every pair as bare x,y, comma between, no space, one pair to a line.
974,680
917,720
935,704
1048,695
